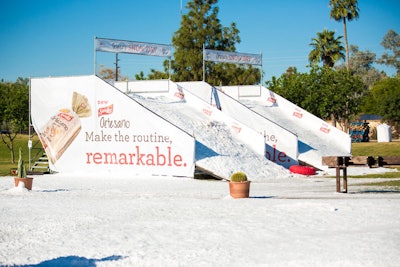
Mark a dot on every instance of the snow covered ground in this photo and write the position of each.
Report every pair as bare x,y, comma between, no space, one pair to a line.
167,221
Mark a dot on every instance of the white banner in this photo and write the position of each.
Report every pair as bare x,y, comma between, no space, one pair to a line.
130,47
88,126
232,57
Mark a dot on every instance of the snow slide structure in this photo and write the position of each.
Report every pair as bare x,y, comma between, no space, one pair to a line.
89,127
223,144
280,144
270,125
316,138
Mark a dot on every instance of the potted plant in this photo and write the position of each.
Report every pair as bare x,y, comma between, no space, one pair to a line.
21,174
239,186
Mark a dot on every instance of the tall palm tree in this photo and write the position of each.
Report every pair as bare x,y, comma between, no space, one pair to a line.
344,10
326,48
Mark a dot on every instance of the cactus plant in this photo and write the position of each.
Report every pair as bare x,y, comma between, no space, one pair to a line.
21,174
21,166
239,177
239,186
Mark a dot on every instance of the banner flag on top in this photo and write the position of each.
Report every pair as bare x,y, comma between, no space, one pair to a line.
130,47
232,57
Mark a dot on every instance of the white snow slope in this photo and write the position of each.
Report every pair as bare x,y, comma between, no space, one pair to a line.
215,144
312,147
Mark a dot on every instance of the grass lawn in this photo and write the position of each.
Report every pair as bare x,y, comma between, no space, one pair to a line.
393,180
376,149
393,184
21,141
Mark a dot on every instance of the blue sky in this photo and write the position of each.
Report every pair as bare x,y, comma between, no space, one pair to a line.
55,38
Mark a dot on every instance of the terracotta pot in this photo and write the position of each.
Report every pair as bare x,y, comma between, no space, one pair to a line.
27,181
239,189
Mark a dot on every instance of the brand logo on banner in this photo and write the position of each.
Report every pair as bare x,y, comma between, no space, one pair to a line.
324,128
271,98
130,47
232,57
105,110
298,113
236,127
179,92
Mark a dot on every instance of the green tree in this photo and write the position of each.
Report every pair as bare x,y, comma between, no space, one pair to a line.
326,48
344,94
14,111
361,65
291,85
391,42
230,74
344,10
201,27
325,92
384,99
157,75
153,75
140,76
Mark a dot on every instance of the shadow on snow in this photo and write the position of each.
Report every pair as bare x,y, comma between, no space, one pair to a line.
72,261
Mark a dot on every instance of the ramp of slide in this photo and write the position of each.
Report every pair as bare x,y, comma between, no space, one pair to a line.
281,145
316,137
223,144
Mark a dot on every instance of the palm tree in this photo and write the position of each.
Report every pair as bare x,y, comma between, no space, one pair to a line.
327,48
344,10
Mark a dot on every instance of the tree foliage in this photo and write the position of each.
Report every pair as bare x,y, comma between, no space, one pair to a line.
391,42
326,48
344,10
325,92
110,74
153,75
14,111
200,27
107,74
384,98
361,65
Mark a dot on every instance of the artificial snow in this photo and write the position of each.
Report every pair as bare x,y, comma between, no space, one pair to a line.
168,221
216,147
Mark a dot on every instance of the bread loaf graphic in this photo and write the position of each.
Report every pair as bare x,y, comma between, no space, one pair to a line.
62,128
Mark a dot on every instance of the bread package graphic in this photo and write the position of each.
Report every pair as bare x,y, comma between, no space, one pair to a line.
62,128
